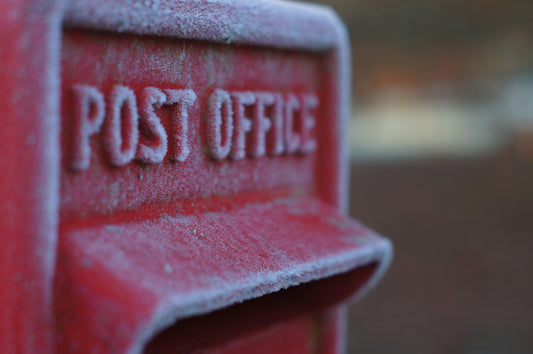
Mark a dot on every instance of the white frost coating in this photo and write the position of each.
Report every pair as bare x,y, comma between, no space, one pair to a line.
277,146
220,287
271,23
219,124
174,308
121,130
241,124
260,123
152,97
341,59
292,139
261,22
284,25
386,259
179,121
307,123
39,235
89,112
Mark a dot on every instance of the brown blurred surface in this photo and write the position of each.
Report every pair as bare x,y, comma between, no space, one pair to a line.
460,281
415,43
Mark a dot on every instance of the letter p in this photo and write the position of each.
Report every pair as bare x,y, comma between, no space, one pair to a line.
89,112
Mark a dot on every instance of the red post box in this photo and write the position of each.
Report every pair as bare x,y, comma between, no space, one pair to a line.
173,178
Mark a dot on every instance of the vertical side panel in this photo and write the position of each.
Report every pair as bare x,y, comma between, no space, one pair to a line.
29,172
333,180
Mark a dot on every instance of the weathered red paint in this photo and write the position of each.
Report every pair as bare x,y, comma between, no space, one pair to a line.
163,162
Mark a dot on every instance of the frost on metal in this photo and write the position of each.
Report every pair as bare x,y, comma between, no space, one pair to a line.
182,99
220,124
151,98
89,106
165,159
121,131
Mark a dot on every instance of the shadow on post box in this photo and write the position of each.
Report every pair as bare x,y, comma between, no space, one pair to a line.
188,157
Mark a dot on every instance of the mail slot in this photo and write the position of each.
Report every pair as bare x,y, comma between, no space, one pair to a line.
173,178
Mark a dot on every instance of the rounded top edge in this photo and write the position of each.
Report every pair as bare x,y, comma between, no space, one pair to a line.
279,24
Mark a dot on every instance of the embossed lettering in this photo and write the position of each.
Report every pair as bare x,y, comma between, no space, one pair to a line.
121,132
179,122
292,138
260,124
89,112
307,123
287,128
242,124
219,124
276,144
153,151
131,129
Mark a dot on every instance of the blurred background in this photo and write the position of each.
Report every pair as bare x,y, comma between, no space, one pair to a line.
442,163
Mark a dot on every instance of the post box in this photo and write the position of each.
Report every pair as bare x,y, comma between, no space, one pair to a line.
173,178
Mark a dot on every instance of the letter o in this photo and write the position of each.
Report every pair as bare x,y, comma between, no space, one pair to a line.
121,127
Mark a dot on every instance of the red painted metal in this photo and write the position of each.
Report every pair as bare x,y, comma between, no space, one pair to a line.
173,178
